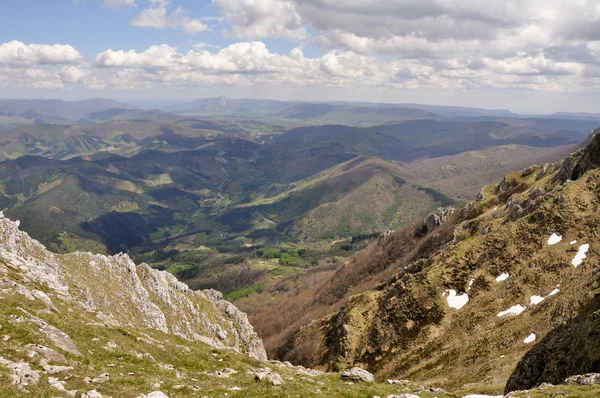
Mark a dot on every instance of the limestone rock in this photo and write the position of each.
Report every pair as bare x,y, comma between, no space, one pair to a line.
403,396
438,217
358,374
145,298
22,374
275,379
588,379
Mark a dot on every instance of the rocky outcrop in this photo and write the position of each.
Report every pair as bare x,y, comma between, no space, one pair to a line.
438,217
121,293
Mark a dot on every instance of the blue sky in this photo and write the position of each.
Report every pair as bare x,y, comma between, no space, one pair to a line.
91,28
532,56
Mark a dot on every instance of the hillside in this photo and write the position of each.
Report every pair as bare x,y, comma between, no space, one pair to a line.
465,302
363,195
94,326
120,137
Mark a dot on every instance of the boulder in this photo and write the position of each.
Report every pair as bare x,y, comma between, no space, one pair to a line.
358,374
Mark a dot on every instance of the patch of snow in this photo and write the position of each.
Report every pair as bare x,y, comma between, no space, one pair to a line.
552,293
512,311
502,277
533,300
445,293
530,338
456,301
502,356
554,239
572,242
580,256
470,284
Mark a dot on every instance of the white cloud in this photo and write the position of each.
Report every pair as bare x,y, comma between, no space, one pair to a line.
16,53
117,3
256,19
157,16
250,63
73,74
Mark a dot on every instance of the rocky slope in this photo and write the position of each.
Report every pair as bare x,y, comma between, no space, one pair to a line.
476,294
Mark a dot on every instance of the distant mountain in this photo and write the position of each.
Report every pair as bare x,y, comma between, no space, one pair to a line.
319,112
127,133
576,115
57,111
411,140
228,106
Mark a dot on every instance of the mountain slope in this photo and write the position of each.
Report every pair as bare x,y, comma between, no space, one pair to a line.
406,328
363,195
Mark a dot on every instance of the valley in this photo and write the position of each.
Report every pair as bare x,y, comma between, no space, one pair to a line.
206,198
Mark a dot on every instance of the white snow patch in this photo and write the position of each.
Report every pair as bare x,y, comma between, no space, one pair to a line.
530,338
533,300
572,242
512,311
502,356
470,284
502,277
580,256
455,301
445,293
554,239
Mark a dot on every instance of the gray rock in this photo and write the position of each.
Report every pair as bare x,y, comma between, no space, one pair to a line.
275,379
403,396
102,378
438,217
528,171
51,369
358,374
588,379
399,382
22,374
92,394
502,186
156,394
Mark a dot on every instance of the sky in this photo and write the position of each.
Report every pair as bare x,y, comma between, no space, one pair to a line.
528,56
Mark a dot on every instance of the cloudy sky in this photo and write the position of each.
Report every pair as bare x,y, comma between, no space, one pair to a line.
523,55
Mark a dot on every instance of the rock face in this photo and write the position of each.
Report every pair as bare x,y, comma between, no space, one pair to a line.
121,293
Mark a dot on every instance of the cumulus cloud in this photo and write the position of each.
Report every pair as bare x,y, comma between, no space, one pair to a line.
158,16
16,53
387,44
255,19
117,3
247,63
